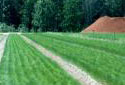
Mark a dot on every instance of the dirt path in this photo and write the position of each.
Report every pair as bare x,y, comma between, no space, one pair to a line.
3,39
73,70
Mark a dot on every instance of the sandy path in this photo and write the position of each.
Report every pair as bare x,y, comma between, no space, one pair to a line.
73,70
3,39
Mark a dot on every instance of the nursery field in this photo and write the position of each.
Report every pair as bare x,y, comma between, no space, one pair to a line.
24,65
102,56
95,35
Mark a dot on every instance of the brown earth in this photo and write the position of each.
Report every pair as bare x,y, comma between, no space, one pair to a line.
107,24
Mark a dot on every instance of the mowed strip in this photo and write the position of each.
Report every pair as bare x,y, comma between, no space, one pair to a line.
0,37
24,65
73,70
103,62
3,39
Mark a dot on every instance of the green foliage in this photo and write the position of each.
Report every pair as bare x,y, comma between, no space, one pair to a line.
104,60
114,7
97,8
43,17
9,13
73,15
22,28
24,65
57,15
5,28
27,14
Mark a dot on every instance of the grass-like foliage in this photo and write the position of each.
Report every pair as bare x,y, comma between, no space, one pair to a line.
110,36
24,65
104,60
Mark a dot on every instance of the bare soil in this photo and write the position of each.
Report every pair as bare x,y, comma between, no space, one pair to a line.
107,24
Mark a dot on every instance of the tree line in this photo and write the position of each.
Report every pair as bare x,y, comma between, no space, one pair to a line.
56,15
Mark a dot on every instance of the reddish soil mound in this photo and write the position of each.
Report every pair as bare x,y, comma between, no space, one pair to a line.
107,24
